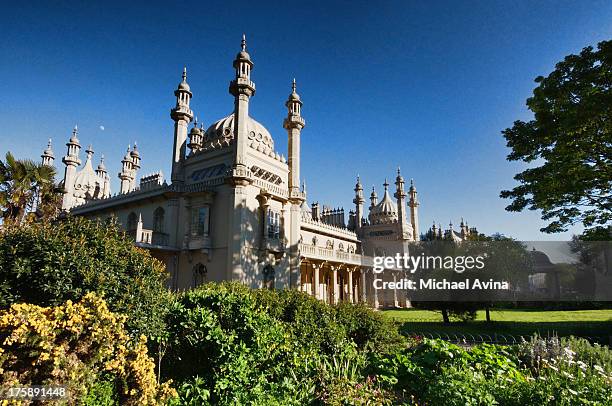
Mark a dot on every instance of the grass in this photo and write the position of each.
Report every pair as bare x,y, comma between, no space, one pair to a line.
584,323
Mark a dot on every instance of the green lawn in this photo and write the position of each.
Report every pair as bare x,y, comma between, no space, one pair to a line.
586,323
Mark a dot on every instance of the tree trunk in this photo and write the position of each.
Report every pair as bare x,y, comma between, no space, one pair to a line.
445,316
488,314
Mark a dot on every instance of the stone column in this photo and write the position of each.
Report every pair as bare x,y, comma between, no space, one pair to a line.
364,297
350,285
315,285
395,298
336,290
376,303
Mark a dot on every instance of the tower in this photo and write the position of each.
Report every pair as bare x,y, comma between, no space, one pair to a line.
242,88
400,195
294,123
103,175
47,155
414,210
135,155
72,161
182,115
196,136
359,201
126,172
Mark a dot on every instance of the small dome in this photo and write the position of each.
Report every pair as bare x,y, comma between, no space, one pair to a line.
385,211
135,152
184,86
101,166
244,55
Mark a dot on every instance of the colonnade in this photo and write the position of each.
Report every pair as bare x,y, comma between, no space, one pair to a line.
335,282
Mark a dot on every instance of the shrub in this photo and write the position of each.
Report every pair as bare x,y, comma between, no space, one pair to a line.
49,263
240,354
329,329
81,345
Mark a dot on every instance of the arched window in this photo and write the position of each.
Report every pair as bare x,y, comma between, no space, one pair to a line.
132,221
158,220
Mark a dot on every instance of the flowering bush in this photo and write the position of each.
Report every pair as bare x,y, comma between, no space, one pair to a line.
79,345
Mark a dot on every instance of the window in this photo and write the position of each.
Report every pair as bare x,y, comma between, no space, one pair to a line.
132,221
158,220
199,221
273,225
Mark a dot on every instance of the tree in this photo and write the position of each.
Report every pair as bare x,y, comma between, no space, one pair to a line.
571,134
26,187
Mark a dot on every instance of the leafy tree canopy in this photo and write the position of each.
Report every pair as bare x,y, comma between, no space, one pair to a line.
571,136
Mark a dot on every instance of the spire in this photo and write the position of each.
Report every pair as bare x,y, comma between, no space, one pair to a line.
74,139
47,156
101,166
304,186
89,151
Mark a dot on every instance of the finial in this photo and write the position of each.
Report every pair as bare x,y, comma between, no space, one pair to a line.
102,159
243,42
304,186
358,179
135,145
129,147
184,74
195,122
49,143
386,184
76,128
293,86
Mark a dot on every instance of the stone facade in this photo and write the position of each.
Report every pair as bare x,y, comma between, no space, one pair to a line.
235,209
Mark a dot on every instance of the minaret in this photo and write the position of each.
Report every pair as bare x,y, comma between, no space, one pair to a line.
135,155
294,124
126,172
72,161
47,155
182,115
400,195
242,88
359,201
195,137
373,198
103,175
414,210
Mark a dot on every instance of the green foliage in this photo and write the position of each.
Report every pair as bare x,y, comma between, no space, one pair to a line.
329,329
534,373
264,347
572,135
101,393
49,263
241,354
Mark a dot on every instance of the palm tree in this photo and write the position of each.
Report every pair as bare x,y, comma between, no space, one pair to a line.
26,187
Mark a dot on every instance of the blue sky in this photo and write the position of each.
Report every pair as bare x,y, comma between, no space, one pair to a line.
421,85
